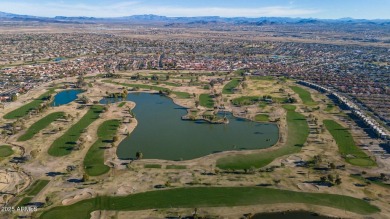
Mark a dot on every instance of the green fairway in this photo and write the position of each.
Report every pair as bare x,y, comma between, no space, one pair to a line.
23,110
207,197
153,166
245,100
228,88
39,125
347,147
265,78
239,72
36,187
141,86
24,201
298,131
6,151
206,100
182,95
94,159
176,167
170,83
63,145
329,107
290,107
262,118
304,95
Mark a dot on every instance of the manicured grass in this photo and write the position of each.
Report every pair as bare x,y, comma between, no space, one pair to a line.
36,187
347,146
265,78
290,107
25,109
304,95
262,104
152,166
329,107
198,197
39,125
280,99
5,151
63,145
176,167
298,131
24,201
206,100
170,83
142,86
262,118
245,100
228,88
182,95
121,104
239,72
94,159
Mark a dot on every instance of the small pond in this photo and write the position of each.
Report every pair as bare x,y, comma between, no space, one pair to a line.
65,97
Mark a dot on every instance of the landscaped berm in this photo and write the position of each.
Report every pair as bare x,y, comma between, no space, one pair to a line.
206,197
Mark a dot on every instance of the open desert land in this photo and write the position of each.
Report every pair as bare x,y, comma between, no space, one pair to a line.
70,167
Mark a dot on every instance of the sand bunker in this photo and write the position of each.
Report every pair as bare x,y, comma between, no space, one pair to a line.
307,187
81,196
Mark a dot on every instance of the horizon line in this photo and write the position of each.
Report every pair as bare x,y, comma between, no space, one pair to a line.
217,16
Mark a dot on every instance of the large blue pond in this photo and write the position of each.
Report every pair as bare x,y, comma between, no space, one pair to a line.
161,134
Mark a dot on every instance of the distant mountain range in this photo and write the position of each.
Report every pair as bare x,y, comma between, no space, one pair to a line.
150,18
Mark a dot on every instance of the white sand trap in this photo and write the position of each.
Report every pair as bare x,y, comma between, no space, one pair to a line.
307,187
125,190
81,196
290,160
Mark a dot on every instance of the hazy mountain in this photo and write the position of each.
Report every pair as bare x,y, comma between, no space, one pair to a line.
150,18
9,15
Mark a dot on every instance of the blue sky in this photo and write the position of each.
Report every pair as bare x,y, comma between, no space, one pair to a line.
368,9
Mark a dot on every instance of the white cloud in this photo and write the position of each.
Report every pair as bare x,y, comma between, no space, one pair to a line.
132,8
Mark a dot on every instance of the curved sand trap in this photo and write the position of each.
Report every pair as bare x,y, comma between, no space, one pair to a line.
78,197
307,187
291,160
